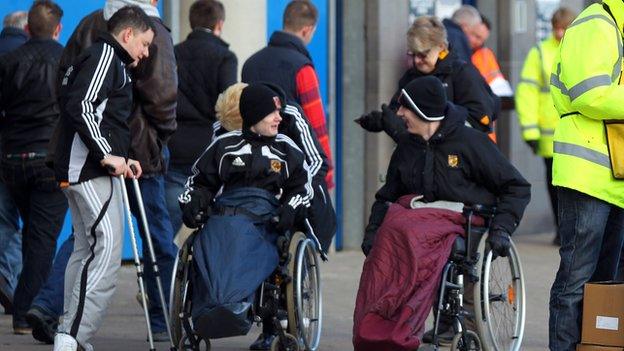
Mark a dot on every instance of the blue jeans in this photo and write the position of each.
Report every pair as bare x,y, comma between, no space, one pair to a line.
592,234
174,185
50,297
10,239
153,191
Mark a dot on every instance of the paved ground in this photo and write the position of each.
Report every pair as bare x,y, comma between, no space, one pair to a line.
124,327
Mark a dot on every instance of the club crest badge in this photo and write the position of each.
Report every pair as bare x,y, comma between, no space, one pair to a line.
453,161
276,166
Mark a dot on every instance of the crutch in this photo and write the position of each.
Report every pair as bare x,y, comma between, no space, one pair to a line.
150,246
137,261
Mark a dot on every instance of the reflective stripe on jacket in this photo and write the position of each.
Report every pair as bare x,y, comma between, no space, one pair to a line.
586,91
537,116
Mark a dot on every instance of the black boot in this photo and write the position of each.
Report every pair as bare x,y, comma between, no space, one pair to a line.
263,342
445,334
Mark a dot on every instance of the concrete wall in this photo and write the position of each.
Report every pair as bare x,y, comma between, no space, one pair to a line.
245,25
354,142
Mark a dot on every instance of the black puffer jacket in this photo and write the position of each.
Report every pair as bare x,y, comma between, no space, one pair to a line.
206,67
465,87
28,96
451,166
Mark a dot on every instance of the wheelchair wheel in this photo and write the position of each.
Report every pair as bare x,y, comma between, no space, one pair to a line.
466,341
303,292
177,295
286,343
500,305
185,345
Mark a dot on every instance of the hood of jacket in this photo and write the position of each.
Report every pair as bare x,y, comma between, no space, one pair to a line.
113,5
201,33
287,40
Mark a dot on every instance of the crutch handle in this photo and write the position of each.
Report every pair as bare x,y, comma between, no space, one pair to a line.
133,169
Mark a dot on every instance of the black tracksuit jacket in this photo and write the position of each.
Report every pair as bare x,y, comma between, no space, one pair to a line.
457,164
95,101
241,159
297,127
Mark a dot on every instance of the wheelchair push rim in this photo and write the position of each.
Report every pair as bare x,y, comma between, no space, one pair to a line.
501,316
178,293
304,298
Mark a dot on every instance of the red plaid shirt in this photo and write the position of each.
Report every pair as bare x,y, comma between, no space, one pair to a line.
310,98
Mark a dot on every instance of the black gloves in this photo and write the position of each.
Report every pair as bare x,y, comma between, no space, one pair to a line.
286,216
369,238
195,212
499,242
372,122
533,144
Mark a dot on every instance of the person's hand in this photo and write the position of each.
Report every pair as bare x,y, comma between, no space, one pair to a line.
533,144
369,238
195,212
115,165
134,169
286,216
387,114
372,121
499,242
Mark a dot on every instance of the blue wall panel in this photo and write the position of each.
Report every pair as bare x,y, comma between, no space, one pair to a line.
320,42
73,12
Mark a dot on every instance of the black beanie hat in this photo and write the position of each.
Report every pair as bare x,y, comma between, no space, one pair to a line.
256,102
426,97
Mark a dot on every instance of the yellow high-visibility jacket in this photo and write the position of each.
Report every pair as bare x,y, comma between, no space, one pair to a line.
536,113
586,92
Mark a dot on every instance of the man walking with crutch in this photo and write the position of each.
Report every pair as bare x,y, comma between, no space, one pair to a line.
91,151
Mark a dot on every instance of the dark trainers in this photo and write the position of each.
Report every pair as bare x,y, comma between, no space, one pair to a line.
445,336
263,342
43,325
6,296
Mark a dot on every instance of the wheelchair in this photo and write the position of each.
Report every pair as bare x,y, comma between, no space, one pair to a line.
494,286
291,298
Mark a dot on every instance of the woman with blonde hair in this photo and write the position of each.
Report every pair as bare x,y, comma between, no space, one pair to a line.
429,54
228,110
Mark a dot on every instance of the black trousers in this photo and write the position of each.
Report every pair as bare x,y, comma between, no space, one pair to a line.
42,207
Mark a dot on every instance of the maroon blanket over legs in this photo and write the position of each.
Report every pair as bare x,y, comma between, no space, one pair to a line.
401,276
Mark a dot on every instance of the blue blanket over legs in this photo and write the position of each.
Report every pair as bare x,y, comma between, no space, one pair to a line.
233,254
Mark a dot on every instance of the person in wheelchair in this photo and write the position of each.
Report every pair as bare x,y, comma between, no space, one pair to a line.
437,158
295,125
260,175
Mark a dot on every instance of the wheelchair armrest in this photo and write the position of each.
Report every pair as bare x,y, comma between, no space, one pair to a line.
480,210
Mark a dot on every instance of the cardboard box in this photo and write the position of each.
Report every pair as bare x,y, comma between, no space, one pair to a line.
603,314
585,347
